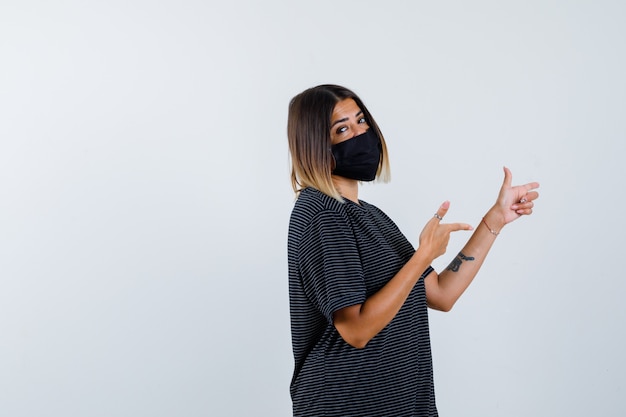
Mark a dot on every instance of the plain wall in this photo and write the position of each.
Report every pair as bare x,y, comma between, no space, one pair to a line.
145,196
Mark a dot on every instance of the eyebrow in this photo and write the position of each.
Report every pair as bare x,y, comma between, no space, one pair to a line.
345,119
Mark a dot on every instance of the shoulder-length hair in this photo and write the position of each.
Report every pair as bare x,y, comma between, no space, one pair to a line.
308,132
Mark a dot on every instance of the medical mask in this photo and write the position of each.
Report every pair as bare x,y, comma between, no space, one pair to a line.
358,158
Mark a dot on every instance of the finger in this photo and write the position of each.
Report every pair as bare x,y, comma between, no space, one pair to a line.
533,195
442,210
531,185
526,201
508,178
520,208
454,227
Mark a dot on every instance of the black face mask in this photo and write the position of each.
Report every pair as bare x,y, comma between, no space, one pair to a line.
358,158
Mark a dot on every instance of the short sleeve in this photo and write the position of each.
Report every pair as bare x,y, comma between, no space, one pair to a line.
330,266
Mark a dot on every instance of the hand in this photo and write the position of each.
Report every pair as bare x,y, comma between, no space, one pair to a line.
434,238
514,201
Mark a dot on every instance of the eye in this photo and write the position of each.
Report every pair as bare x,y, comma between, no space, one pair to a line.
341,130
362,120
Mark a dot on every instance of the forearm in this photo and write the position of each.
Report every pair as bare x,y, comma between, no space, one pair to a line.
444,289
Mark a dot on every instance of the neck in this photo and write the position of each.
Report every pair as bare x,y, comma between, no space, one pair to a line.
347,187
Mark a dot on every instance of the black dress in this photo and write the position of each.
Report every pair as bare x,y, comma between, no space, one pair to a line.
339,254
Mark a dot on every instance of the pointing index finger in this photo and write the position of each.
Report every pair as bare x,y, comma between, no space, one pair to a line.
455,227
531,185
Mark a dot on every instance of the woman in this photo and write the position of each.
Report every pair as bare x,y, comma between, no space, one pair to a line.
358,290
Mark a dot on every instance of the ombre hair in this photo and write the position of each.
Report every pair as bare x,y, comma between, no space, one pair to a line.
308,132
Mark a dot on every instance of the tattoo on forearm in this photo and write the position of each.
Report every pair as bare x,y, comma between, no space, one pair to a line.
456,262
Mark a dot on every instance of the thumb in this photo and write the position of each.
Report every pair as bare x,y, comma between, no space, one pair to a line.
508,178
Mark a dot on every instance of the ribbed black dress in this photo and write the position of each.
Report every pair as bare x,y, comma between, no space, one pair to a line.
340,254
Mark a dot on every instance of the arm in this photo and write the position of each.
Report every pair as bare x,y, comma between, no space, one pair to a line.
358,324
444,289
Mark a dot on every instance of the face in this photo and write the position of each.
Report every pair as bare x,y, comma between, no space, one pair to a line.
347,121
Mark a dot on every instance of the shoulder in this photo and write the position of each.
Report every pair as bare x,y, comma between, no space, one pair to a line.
317,216
311,203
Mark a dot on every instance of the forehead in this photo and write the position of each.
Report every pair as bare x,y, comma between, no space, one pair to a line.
345,108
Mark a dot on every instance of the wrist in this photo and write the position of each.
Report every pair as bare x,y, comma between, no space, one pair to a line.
421,259
494,221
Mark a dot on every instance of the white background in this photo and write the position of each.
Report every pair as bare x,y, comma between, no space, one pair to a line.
145,196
